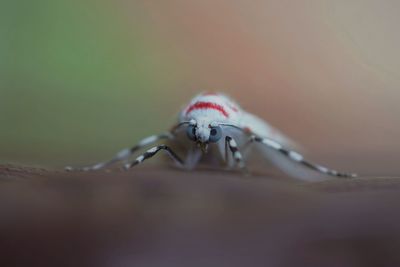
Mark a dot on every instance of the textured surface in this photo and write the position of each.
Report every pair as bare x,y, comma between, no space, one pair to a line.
163,217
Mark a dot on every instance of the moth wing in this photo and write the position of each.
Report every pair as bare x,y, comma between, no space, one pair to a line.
262,129
285,164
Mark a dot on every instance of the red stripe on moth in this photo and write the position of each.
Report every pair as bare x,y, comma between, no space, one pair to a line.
207,105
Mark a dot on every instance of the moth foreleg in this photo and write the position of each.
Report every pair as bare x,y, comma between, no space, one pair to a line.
236,155
152,152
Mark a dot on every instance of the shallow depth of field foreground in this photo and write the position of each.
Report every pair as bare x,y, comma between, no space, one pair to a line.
82,79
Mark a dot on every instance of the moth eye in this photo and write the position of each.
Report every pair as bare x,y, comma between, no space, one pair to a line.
215,134
191,132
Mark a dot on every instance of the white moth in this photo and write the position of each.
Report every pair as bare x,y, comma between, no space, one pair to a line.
213,120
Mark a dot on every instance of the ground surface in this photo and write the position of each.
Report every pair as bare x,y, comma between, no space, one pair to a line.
164,217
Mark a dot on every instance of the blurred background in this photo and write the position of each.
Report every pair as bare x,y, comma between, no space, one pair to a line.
80,80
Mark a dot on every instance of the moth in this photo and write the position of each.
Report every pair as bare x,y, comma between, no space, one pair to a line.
214,125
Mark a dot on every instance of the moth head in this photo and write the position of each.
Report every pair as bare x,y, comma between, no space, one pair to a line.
203,132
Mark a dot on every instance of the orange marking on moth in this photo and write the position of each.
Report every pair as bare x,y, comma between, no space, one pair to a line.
247,129
233,108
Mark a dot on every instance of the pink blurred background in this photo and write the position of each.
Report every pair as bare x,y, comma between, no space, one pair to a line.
324,72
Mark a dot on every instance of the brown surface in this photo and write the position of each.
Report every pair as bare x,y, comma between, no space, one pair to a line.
164,217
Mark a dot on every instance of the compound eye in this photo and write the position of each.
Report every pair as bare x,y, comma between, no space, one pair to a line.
191,132
215,134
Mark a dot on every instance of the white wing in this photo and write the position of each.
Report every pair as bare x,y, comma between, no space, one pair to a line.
283,162
261,128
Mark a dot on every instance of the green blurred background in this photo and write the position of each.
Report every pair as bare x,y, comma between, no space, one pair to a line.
78,76
80,80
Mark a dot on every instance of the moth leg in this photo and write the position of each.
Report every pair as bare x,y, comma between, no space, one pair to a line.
226,153
152,152
293,155
125,153
237,156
